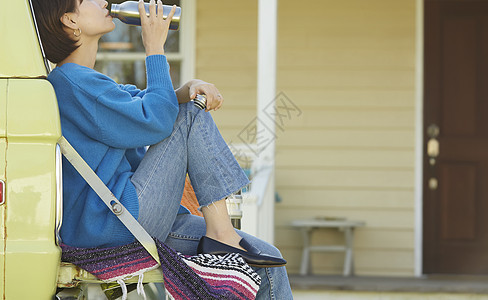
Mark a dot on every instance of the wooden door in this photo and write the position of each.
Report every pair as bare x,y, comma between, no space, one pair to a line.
456,117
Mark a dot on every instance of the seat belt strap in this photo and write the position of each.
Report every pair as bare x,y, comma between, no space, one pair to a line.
108,197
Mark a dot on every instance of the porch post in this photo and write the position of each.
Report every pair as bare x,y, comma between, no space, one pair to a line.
187,40
266,93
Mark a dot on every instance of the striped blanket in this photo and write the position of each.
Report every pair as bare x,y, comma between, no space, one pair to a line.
203,276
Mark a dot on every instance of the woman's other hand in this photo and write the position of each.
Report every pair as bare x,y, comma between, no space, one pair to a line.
155,27
214,98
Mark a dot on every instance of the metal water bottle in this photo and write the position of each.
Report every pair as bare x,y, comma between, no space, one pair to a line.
128,12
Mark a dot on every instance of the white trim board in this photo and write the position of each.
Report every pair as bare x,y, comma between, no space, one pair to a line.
188,39
419,128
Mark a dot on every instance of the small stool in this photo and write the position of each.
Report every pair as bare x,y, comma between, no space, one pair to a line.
307,226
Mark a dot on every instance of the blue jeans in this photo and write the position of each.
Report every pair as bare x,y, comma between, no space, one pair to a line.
197,148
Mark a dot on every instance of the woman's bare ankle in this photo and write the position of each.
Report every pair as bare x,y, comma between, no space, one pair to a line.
228,238
219,226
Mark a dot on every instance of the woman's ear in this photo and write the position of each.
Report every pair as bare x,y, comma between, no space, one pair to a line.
69,20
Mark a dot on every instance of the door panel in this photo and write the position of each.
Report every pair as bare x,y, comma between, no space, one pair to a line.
459,77
3,148
3,107
456,100
458,181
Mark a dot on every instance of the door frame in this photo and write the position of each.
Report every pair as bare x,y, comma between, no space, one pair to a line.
419,137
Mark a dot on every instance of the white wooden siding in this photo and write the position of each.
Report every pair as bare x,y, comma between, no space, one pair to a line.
349,66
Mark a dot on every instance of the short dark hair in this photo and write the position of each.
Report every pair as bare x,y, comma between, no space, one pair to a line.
56,42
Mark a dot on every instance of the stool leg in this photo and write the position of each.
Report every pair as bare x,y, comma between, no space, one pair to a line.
348,260
306,251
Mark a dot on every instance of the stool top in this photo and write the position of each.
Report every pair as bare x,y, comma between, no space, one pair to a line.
327,222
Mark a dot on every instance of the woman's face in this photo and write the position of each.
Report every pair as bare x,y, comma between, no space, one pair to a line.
94,18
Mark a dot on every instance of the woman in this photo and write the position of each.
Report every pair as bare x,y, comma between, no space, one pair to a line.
110,125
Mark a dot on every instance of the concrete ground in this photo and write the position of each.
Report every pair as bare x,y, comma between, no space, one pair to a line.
389,288
355,295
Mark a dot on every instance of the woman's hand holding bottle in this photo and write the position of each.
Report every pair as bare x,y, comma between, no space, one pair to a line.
154,27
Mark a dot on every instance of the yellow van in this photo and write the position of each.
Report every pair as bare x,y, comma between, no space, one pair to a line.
30,209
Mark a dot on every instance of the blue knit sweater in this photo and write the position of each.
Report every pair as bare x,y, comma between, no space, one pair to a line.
109,125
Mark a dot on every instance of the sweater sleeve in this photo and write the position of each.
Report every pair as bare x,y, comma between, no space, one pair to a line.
130,118
130,122
132,90
154,63
117,115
